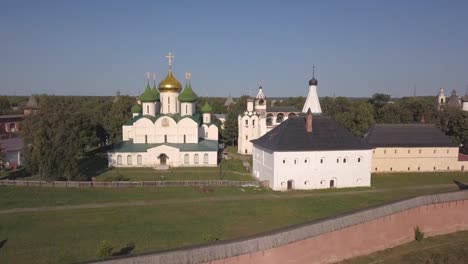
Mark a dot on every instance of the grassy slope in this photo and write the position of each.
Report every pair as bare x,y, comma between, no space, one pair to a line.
73,235
447,249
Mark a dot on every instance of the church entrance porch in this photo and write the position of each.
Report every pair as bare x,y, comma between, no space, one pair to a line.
163,159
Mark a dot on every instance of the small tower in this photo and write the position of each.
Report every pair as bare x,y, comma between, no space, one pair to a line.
31,106
206,110
441,99
156,93
250,104
187,98
312,102
148,100
136,110
260,102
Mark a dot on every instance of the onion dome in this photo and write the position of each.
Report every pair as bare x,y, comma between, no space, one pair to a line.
136,109
148,95
313,82
187,94
206,108
155,91
170,83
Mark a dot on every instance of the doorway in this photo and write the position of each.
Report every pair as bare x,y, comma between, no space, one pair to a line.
332,184
290,185
163,159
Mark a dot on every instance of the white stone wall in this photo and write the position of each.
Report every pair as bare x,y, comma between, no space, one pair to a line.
165,129
416,159
187,108
149,108
170,103
313,169
250,127
465,106
176,158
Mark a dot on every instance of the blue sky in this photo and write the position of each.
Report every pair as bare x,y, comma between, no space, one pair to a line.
359,47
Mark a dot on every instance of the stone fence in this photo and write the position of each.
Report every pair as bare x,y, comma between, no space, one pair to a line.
327,240
123,184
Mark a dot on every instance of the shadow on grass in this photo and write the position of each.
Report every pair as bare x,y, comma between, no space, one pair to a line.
3,242
461,185
125,250
94,163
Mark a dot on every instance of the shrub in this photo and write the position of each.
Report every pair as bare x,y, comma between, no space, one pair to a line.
104,249
418,234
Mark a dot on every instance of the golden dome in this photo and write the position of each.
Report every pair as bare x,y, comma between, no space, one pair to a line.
170,84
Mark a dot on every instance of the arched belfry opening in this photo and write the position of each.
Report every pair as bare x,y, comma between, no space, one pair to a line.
163,159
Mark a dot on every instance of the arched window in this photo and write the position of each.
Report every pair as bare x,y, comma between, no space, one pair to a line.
345,159
185,138
269,119
359,159
129,160
195,159
205,158
186,109
119,160
246,122
165,138
147,109
338,160
306,160
186,159
322,160
139,160
279,118
295,161
284,161
253,123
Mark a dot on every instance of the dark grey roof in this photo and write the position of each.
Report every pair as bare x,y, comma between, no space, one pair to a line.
291,135
407,135
282,109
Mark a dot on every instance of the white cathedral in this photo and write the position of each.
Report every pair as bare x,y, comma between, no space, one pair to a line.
166,130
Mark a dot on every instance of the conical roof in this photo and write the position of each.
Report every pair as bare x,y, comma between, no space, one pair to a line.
188,95
32,103
206,108
155,91
136,109
148,95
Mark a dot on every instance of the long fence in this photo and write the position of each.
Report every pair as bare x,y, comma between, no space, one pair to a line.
123,184
270,247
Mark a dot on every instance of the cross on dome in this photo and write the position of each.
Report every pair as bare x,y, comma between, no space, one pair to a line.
188,75
169,58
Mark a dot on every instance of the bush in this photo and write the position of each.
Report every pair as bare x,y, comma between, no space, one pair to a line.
104,249
418,234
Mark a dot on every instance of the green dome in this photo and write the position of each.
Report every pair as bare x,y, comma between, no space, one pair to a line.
155,91
148,95
136,109
187,94
206,108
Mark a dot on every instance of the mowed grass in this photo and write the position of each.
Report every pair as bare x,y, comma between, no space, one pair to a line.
230,170
73,235
391,180
446,249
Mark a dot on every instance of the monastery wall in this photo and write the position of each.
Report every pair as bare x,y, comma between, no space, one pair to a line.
332,239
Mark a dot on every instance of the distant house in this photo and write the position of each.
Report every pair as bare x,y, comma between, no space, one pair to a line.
10,124
412,148
12,148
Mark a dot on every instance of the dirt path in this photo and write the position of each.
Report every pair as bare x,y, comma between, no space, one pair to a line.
448,187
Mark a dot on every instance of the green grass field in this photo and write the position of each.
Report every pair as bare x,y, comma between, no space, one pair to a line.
446,249
185,216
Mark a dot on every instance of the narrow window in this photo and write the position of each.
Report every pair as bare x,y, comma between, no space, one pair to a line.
165,138
419,151
359,159
246,122
385,151
434,168
344,160
186,109
409,151
419,168
195,159
253,122
306,160
295,161
408,168
284,161
375,168
139,160
435,151
119,160
373,151
146,139
391,169
448,151
322,160
186,159
448,168
246,137
147,109
205,158
185,139
395,151
129,160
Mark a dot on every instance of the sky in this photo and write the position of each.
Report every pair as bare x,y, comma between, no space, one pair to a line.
358,47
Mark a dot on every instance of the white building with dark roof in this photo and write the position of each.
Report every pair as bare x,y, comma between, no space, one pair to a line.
452,102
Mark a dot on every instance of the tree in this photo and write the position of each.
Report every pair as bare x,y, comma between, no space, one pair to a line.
378,100
230,132
393,114
56,137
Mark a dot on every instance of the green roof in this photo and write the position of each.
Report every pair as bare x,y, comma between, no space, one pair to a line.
155,91
204,145
206,108
148,95
136,109
187,94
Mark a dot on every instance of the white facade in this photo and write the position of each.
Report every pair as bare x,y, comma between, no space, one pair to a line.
167,132
306,170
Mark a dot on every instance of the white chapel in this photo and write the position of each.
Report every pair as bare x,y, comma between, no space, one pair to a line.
166,130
